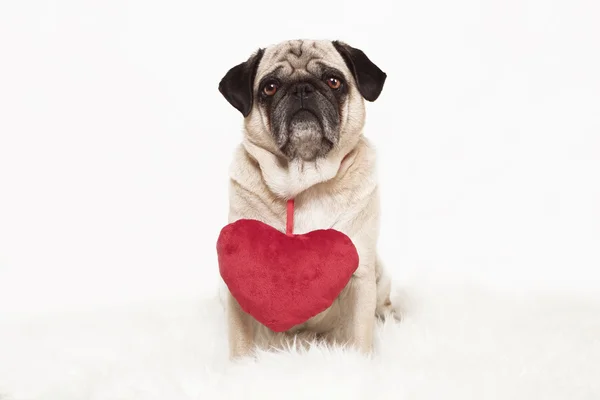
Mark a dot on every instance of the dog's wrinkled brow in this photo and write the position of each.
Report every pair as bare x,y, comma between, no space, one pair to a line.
297,57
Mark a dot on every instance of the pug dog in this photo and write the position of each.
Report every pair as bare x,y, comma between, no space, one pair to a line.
303,108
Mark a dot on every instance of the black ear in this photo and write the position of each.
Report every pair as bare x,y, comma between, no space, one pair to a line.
237,84
368,76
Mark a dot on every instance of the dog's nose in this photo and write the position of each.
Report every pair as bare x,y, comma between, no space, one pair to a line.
303,89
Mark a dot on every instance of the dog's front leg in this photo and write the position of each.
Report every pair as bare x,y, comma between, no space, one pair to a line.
363,301
241,330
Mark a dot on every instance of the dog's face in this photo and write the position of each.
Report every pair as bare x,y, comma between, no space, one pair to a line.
303,98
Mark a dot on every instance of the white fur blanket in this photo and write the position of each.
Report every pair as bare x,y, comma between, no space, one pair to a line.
453,343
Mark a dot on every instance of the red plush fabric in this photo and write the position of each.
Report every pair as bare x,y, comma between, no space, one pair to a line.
284,280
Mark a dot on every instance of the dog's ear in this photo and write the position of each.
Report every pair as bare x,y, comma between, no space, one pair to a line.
368,76
237,84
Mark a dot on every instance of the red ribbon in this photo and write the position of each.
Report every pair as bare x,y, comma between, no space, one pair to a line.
290,218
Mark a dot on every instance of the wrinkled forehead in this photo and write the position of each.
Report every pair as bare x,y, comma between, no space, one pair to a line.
299,58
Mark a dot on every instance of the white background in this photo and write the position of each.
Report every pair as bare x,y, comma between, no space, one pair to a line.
115,143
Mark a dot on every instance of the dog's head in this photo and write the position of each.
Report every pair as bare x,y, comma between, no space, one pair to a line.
301,99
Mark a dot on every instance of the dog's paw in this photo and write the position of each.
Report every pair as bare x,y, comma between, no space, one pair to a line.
387,311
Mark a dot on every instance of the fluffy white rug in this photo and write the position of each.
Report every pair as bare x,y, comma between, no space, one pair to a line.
453,343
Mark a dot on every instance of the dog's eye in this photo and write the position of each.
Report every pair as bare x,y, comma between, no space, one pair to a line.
270,88
334,83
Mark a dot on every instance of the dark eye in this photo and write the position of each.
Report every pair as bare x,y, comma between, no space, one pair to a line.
334,83
270,88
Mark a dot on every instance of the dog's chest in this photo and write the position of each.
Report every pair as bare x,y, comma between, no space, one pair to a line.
316,213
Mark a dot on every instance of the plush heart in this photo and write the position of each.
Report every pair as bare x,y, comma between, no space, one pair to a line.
284,280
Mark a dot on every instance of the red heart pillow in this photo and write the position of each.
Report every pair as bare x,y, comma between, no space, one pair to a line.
284,280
